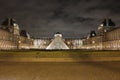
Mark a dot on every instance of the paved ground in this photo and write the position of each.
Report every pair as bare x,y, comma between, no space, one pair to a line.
60,71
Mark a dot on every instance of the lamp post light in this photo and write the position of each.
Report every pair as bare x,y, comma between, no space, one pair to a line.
18,42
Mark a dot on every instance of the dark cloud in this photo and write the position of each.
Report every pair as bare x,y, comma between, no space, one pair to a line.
45,17
108,5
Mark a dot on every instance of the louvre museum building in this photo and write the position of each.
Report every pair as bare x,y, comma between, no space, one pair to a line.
106,38
11,37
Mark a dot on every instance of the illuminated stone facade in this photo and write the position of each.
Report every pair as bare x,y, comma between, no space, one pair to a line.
107,38
7,40
72,43
112,40
42,43
10,37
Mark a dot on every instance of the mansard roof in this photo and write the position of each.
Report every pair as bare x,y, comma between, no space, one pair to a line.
8,21
23,33
108,22
58,33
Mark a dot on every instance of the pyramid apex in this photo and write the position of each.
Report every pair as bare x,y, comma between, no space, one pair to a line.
58,33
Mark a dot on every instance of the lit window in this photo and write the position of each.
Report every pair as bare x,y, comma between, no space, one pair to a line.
93,34
93,42
101,24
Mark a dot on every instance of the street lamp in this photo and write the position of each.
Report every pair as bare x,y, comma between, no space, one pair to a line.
18,42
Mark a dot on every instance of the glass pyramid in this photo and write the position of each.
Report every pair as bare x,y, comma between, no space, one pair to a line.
57,43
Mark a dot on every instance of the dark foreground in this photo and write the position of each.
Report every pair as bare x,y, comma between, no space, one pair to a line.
60,71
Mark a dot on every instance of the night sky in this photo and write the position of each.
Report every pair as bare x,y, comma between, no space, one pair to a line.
43,18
